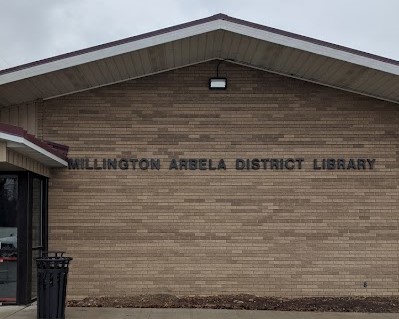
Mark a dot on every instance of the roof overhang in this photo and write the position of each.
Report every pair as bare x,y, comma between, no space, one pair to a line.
216,37
19,141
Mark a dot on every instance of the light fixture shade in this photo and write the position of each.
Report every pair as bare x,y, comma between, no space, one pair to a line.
217,83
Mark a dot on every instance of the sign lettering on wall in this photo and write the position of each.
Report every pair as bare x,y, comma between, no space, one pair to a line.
220,164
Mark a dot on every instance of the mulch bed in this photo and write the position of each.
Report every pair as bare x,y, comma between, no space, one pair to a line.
322,304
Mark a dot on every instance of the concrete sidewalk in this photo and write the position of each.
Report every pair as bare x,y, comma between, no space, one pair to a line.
16,312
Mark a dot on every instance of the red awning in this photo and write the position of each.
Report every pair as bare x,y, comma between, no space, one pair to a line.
48,153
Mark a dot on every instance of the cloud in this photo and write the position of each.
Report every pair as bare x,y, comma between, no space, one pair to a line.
32,30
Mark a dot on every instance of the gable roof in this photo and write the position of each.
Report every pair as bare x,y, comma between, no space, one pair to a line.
215,37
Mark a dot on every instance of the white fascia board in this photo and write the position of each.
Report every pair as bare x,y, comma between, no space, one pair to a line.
18,141
196,30
109,52
310,47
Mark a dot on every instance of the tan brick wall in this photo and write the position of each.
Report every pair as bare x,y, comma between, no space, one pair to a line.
265,232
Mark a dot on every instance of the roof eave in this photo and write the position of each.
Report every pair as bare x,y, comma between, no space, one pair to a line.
190,30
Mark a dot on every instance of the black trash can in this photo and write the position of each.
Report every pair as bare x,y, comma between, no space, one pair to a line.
52,275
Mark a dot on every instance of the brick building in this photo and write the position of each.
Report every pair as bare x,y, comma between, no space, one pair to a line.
213,157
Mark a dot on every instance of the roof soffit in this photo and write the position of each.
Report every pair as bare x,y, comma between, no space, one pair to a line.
206,40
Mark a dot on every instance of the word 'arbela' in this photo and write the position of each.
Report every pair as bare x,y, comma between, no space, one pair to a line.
210,164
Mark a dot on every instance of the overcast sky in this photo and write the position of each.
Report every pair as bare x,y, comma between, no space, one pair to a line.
35,29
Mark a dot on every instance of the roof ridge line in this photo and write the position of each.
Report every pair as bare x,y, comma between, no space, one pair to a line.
218,16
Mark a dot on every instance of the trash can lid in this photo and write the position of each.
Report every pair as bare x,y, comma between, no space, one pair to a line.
48,256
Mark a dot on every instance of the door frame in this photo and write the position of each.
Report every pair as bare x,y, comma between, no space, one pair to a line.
24,235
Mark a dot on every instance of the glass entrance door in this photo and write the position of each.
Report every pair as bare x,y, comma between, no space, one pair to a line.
23,234
8,237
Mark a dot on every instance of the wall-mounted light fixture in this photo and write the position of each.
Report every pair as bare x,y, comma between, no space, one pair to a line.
217,83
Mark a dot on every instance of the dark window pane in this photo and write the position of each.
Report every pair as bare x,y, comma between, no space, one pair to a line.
8,237
35,253
36,213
